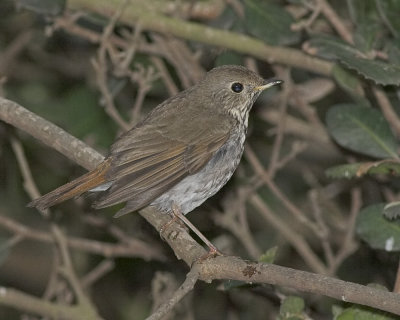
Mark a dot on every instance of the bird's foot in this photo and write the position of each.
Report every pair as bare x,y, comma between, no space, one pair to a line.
212,253
164,228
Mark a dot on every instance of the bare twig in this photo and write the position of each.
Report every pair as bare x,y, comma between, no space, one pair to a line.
29,184
252,272
306,24
179,55
348,245
259,169
335,20
133,248
48,133
10,53
99,271
68,272
297,147
224,267
165,76
183,290
11,242
53,286
387,109
28,303
100,66
151,20
283,104
290,235
234,219
396,288
144,79
323,232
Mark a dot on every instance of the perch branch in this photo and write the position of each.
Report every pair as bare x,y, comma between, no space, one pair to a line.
226,267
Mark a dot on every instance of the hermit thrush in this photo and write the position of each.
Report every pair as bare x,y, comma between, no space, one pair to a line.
181,154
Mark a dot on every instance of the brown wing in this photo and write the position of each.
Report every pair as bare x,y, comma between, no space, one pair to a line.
156,155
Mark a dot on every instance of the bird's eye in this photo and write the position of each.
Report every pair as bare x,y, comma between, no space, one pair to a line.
237,87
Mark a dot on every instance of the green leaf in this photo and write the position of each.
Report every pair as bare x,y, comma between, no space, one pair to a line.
228,57
363,313
367,35
269,255
361,129
269,22
389,15
394,52
366,21
233,284
392,210
346,80
292,308
77,109
343,171
351,57
349,82
376,230
359,169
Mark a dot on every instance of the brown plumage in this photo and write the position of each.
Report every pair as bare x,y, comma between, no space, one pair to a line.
74,188
183,152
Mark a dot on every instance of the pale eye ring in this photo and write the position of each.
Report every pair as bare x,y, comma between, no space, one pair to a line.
237,87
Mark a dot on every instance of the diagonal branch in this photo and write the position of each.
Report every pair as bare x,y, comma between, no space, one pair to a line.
138,12
180,293
186,248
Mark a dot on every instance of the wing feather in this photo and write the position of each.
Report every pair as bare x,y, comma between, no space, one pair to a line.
152,158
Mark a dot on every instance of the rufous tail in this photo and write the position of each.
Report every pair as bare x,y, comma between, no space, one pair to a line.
74,188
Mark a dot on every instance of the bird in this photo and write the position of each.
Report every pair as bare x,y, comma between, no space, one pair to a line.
183,152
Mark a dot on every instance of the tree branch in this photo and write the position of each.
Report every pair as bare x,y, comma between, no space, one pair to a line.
20,300
148,19
180,293
186,248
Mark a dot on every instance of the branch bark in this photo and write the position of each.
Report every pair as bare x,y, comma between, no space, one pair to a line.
186,248
139,13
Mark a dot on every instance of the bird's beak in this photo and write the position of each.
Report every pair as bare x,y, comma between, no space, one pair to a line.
268,84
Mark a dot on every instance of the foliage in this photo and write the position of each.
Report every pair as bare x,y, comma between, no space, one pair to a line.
318,183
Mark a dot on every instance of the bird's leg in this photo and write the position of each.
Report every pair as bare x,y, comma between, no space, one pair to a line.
167,225
213,249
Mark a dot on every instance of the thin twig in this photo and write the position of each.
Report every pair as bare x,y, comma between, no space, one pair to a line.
29,184
133,248
348,245
323,232
10,53
183,290
6,245
29,303
290,235
165,75
144,79
67,268
96,273
100,66
283,104
151,20
259,169
387,109
396,288
306,24
234,219
220,267
335,20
